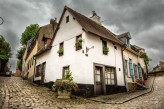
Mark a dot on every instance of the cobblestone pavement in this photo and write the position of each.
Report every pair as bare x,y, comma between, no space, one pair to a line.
123,97
16,93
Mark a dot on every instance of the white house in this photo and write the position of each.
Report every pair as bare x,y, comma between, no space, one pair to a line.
134,66
81,45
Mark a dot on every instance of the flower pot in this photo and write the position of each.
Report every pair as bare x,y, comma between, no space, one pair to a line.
64,94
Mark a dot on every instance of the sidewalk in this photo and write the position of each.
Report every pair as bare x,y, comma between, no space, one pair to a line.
124,97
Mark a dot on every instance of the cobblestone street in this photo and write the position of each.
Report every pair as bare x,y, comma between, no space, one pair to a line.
16,93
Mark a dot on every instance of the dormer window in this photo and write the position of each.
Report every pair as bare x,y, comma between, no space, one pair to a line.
44,39
67,19
45,43
104,47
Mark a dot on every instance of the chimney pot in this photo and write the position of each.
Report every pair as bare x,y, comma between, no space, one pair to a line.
94,13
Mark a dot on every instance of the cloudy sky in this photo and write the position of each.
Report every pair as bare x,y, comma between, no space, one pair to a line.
144,19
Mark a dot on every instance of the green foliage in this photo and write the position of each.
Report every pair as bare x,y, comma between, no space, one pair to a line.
60,51
19,64
145,57
68,75
5,52
20,53
78,44
29,32
61,85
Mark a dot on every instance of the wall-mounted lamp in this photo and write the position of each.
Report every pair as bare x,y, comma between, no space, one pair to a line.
87,50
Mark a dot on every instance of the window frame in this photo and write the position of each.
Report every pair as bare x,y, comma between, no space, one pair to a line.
63,70
104,44
110,78
76,41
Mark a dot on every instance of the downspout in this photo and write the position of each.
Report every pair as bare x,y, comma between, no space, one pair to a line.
122,49
34,67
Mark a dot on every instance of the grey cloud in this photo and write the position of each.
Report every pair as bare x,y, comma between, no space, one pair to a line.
139,17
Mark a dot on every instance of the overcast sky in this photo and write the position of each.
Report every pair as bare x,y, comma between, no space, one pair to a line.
144,19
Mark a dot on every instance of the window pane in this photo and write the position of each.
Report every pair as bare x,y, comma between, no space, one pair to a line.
106,81
109,81
97,77
109,75
112,76
112,82
98,71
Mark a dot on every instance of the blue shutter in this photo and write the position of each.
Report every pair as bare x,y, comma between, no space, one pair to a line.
140,71
131,68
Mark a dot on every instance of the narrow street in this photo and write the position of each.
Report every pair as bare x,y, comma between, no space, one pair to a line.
16,93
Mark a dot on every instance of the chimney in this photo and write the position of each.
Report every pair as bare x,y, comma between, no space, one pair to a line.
53,22
95,17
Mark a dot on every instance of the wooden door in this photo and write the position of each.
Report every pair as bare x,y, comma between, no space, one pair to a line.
98,80
43,73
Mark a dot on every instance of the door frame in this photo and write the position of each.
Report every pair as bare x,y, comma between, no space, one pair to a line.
43,73
103,76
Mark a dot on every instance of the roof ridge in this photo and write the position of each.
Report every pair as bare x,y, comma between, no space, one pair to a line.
93,24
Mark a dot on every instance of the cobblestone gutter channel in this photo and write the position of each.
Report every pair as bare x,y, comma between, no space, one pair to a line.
125,97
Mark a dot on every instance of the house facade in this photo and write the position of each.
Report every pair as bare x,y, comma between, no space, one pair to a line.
34,45
91,52
159,67
134,66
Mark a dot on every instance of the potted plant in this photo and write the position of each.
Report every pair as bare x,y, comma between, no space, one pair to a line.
65,86
60,51
105,50
78,44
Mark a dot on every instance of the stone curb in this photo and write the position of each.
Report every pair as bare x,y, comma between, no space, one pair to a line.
149,91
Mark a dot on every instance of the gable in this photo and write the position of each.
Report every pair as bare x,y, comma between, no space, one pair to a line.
67,30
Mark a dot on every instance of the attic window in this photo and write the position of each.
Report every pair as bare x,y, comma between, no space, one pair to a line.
67,19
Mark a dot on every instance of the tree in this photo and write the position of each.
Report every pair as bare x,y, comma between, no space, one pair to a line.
29,32
5,53
20,53
146,59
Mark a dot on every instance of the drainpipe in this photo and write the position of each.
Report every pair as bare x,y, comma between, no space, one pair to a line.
34,66
122,49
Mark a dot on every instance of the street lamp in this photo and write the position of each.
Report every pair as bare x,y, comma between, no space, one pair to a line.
1,20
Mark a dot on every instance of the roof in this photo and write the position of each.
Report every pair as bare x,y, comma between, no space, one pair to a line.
48,31
137,47
91,26
42,51
126,34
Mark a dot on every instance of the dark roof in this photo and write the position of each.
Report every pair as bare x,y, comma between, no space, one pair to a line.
42,51
137,47
91,26
123,35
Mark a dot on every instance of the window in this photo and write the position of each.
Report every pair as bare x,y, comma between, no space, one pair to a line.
126,67
38,71
104,47
45,43
78,43
61,49
65,69
67,19
135,70
110,76
131,69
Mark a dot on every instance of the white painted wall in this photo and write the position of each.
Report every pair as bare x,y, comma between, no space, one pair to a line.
80,65
96,55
